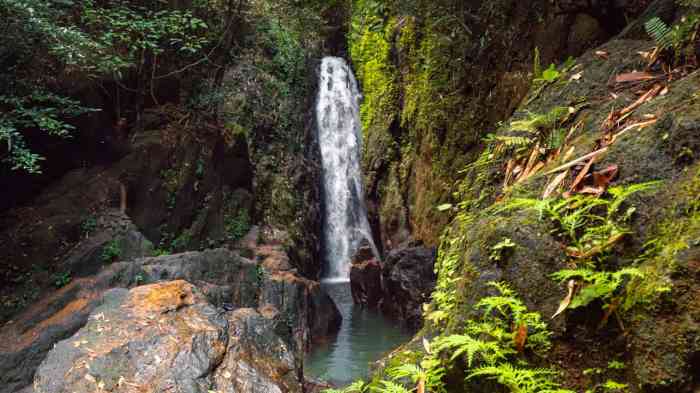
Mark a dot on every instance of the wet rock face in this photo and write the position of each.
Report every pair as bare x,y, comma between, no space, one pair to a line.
167,336
409,279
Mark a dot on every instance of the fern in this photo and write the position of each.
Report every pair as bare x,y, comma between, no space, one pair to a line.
355,387
489,351
390,387
599,285
536,123
660,32
520,380
430,372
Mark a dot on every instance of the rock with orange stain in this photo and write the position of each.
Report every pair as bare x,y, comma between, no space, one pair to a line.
167,337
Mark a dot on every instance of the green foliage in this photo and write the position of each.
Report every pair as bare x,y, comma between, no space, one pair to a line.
25,109
91,39
111,251
61,279
660,32
520,380
128,34
88,226
681,37
181,242
237,226
459,345
587,222
390,387
599,285
499,250
552,73
355,387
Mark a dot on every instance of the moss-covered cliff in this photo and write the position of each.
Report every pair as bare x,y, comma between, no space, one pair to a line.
436,78
570,259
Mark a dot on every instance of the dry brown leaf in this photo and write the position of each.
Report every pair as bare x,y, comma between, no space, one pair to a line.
551,187
604,178
509,172
578,160
421,385
640,125
567,300
653,92
634,77
520,337
601,54
426,346
584,171
569,153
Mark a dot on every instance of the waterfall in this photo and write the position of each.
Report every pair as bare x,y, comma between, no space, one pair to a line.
340,140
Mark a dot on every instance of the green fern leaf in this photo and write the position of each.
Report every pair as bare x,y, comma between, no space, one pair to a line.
660,32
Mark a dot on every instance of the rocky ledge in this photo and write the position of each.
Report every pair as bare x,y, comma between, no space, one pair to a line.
222,296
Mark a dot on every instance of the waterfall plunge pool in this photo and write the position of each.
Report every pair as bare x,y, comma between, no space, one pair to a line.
364,337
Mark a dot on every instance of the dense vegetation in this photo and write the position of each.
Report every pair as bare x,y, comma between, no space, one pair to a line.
507,217
558,178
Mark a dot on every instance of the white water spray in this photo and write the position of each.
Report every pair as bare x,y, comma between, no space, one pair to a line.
339,130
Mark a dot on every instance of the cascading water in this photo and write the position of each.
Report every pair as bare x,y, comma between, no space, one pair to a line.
338,122
364,334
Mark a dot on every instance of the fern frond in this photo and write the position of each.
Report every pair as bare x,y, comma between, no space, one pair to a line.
660,32
621,193
355,387
514,141
600,285
411,371
520,380
391,387
489,351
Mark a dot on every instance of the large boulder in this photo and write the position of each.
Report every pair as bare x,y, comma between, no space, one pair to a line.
308,313
408,277
164,337
366,283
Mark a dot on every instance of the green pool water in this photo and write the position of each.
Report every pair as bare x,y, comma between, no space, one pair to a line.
364,336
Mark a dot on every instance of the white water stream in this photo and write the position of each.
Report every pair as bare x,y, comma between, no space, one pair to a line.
340,140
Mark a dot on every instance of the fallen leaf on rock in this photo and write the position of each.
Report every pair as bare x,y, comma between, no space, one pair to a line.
602,54
648,96
640,125
551,187
520,337
581,175
426,345
634,77
604,177
567,300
